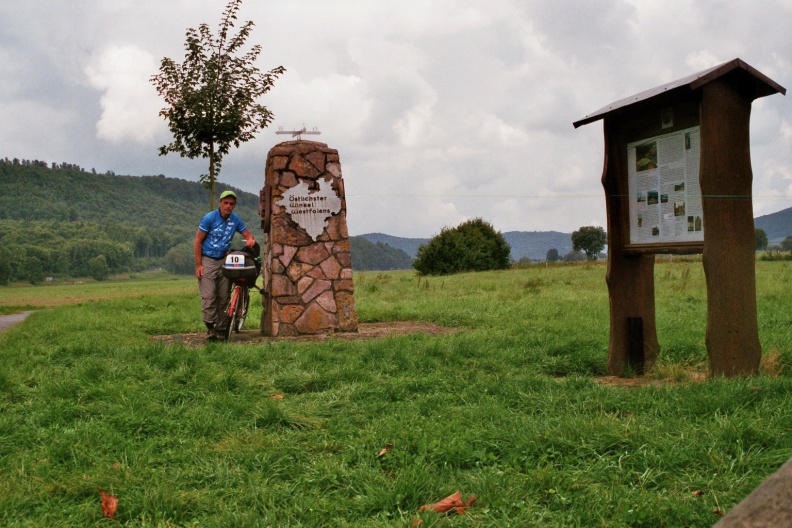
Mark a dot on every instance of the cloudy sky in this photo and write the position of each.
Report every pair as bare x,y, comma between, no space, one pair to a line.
441,110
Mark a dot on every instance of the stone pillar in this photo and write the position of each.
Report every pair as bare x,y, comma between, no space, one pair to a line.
307,265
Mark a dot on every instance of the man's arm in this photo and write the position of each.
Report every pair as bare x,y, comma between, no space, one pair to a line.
249,239
200,236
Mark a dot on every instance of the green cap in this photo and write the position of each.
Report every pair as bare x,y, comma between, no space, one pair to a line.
226,194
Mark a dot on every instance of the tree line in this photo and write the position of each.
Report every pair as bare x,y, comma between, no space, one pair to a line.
32,251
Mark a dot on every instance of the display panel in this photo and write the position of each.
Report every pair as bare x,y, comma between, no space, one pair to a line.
664,191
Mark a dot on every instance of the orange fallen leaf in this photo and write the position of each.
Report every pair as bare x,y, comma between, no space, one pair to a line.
698,493
453,501
385,450
417,522
277,396
718,512
109,503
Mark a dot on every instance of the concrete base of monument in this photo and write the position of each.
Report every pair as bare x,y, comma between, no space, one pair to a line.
365,331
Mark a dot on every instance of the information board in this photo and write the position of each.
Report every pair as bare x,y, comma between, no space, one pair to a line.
664,190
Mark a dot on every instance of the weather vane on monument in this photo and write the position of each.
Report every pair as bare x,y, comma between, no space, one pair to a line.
298,133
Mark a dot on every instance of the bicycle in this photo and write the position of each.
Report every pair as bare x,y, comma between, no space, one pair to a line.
242,268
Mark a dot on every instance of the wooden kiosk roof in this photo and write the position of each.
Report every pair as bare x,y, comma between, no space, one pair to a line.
756,83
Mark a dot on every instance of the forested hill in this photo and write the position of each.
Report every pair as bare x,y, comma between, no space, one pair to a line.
32,190
60,220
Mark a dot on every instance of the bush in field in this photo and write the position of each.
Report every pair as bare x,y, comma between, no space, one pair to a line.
98,268
180,259
472,246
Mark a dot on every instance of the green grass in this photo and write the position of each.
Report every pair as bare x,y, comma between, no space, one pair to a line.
509,409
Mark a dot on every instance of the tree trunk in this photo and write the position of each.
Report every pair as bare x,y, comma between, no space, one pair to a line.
212,174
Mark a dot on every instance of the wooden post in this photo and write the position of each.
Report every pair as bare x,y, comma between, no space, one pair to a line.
635,344
630,278
729,251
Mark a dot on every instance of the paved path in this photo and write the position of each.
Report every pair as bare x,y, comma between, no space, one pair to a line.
7,321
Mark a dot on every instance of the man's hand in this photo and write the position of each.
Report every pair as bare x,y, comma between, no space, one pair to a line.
199,272
250,242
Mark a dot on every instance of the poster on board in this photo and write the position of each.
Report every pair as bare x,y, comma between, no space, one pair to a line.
665,196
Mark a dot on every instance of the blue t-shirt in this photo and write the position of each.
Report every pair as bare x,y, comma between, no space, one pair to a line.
219,233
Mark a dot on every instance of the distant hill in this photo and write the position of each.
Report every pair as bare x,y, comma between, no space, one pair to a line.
535,244
32,190
408,245
139,218
777,225
158,208
368,255
524,244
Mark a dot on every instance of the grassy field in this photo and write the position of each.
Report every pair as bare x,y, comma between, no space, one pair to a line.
514,408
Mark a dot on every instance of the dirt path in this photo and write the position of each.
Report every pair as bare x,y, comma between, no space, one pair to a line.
365,331
7,321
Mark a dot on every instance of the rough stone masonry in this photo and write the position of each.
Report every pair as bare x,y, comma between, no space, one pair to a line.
307,266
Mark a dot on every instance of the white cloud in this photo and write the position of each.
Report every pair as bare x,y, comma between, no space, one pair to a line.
129,104
701,60
337,104
440,111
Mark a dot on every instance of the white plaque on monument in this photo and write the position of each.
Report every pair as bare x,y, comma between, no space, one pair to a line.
311,209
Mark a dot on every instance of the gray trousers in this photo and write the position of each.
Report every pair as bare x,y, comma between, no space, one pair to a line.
215,291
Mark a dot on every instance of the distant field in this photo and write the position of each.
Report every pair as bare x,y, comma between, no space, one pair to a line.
514,408
76,291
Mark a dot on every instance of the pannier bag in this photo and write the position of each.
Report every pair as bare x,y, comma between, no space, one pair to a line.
240,265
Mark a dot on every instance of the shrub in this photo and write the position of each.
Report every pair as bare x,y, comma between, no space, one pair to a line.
472,246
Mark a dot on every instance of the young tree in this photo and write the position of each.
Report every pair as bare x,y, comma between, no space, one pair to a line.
211,96
590,239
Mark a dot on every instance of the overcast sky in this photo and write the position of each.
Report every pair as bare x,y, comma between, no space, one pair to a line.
441,110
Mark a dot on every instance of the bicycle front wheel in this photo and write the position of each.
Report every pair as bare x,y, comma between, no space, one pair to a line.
241,313
232,312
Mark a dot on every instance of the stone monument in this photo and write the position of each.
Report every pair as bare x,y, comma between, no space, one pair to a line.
307,267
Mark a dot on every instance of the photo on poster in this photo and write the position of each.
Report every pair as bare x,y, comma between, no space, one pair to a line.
646,156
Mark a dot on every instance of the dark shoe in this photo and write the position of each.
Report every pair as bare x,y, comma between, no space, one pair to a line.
214,334
218,334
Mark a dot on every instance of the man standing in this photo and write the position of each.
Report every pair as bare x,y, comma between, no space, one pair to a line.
212,242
